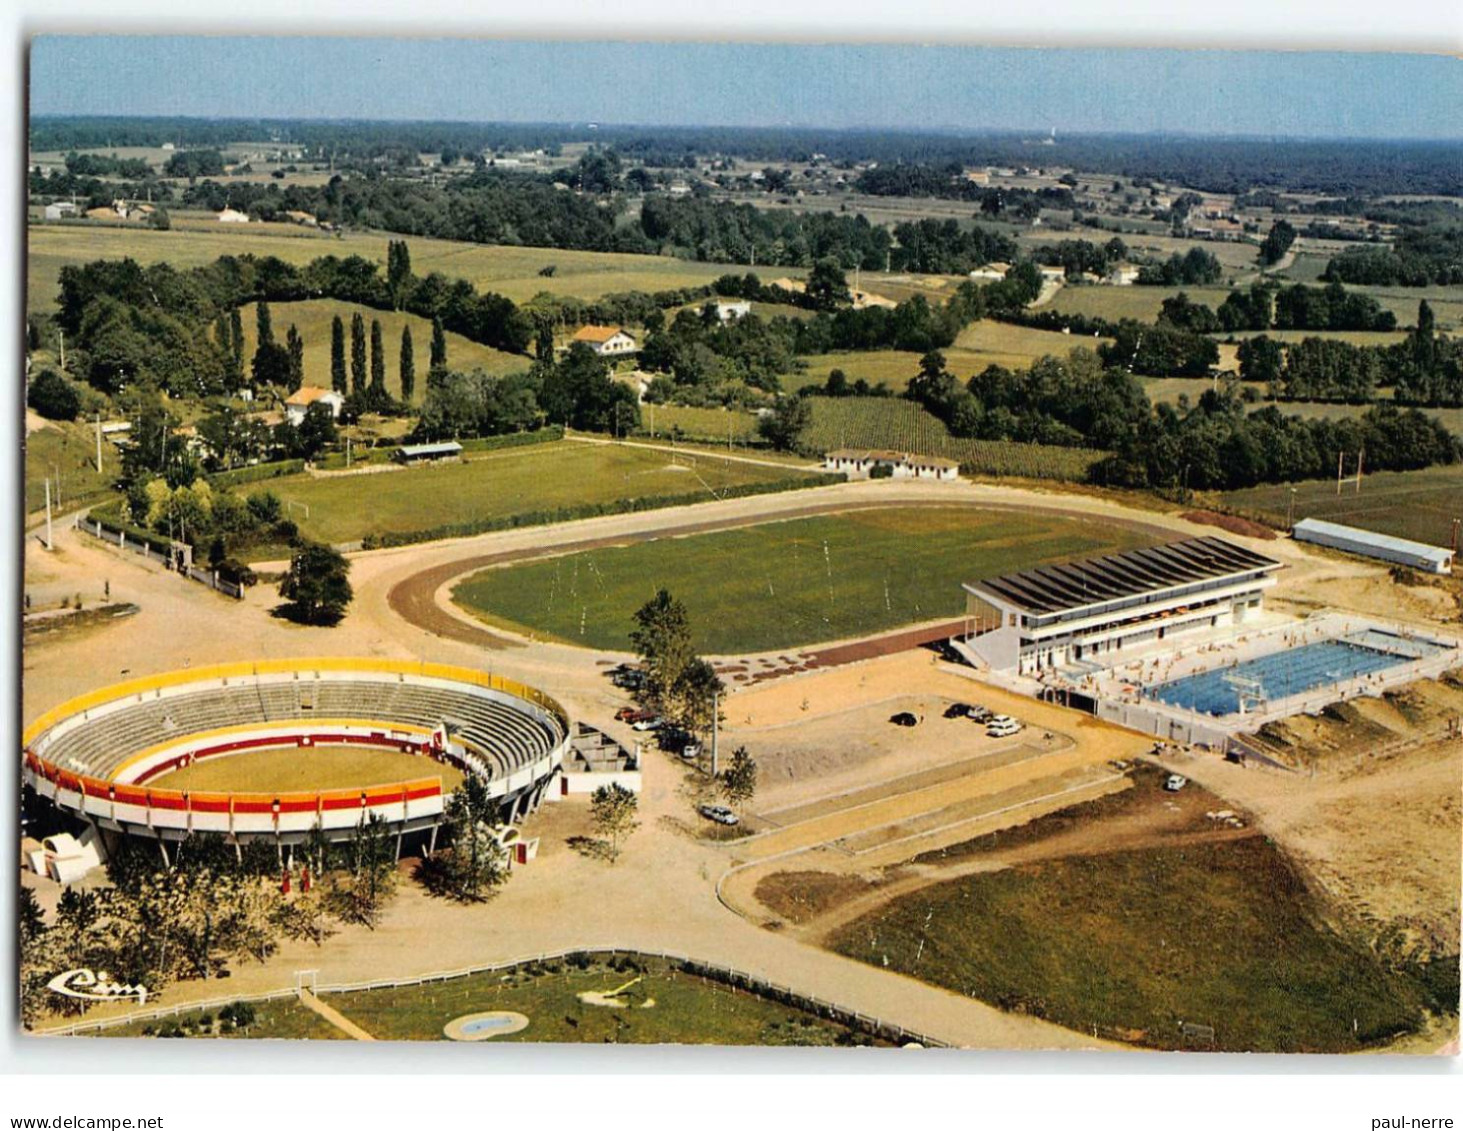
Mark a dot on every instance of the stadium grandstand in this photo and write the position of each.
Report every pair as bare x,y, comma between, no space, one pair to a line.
1084,612
97,756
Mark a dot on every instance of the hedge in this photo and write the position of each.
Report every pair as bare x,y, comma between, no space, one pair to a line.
259,471
589,510
336,460
114,522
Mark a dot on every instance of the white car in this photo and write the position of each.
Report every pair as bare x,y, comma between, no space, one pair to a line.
1000,720
691,751
1003,730
1175,783
648,724
718,813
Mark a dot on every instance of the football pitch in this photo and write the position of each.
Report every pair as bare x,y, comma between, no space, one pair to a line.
783,584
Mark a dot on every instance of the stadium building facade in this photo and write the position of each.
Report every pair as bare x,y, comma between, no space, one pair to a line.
1086,612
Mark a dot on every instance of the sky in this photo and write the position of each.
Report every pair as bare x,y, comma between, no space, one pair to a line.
1264,93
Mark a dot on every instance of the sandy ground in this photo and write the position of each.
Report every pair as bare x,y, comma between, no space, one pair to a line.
1357,835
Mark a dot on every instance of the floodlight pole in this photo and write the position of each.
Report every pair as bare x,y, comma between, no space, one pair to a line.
50,545
715,716
99,442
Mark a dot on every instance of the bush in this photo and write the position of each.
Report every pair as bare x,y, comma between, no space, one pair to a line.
53,396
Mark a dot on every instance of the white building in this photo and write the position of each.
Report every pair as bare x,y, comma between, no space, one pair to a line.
863,464
730,311
1090,610
1418,555
298,403
230,216
990,273
1123,275
60,210
607,341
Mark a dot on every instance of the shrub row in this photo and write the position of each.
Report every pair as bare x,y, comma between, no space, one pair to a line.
376,541
110,516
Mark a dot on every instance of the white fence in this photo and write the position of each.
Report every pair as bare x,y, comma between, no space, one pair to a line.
754,983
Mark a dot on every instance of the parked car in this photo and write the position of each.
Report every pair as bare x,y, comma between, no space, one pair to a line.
1175,783
628,714
1003,730
958,710
691,751
904,719
654,722
719,813
999,720
627,677
980,714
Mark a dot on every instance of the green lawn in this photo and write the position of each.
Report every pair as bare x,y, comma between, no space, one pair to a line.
1142,303
66,454
279,1019
1135,942
511,271
662,421
687,1009
783,584
496,485
313,320
1408,504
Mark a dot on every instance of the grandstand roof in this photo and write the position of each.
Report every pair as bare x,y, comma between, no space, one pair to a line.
1114,577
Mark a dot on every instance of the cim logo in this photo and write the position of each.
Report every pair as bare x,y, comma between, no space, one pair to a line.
87,986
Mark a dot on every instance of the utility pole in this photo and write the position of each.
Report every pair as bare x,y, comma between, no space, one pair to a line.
715,728
1340,456
99,441
1290,514
61,334
50,545
1361,452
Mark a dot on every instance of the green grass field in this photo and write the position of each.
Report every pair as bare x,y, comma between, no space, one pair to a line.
888,422
1142,303
495,485
687,1009
783,584
1135,942
510,271
661,421
1420,505
66,454
313,318
283,1019
320,767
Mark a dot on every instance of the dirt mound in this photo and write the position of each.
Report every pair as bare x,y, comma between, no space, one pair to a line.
1233,523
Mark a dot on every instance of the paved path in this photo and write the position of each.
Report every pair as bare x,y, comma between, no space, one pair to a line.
334,1016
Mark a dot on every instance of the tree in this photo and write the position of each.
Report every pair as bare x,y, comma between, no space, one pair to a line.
235,358
378,360
438,360
317,587
264,324
314,433
475,863
738,782
612,809
784,426
337,357
271,365
662,637
1277,242
695,695
53,396
827,286
360,889
296,347
408,366
398,272
358,354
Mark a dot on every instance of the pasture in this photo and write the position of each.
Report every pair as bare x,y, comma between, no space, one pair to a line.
1115,303
500,484
510,271
727,425
783,584
301,769
891,423
1131,943
312,319
65,453
1420,505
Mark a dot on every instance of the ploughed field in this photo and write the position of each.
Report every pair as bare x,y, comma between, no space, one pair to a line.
783,584
304,768
534,482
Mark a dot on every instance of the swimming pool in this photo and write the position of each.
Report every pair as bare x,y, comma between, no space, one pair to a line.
1293,671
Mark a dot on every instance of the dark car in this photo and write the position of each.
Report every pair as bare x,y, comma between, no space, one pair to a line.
957,710
905,719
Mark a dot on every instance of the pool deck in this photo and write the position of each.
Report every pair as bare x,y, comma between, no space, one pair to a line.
1124,693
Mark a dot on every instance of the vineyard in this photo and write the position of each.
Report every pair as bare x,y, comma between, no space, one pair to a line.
900,425
716,425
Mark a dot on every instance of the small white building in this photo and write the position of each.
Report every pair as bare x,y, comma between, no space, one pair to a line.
606,341
990,273
1053,274
231,216
1123,275
60,210
64,858
298,403
1368,544
729,311
859,463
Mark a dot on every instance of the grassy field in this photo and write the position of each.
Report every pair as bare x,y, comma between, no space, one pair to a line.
1408,504
783,584
1135,942
511,271
313,318
498,484
886,422
1167,390
1142,303
686,1009
320,767
661,421
66,454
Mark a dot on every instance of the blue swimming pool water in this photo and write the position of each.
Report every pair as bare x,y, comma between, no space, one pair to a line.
487,1023
1291,672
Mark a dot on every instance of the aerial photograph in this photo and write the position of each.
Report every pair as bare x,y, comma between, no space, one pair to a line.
866,546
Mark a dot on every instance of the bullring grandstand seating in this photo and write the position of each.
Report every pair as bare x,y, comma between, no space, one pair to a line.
505,737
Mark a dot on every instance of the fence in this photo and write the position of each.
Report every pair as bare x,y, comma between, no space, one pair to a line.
155,550
727,975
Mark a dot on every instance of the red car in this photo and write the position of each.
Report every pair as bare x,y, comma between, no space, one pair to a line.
633,715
